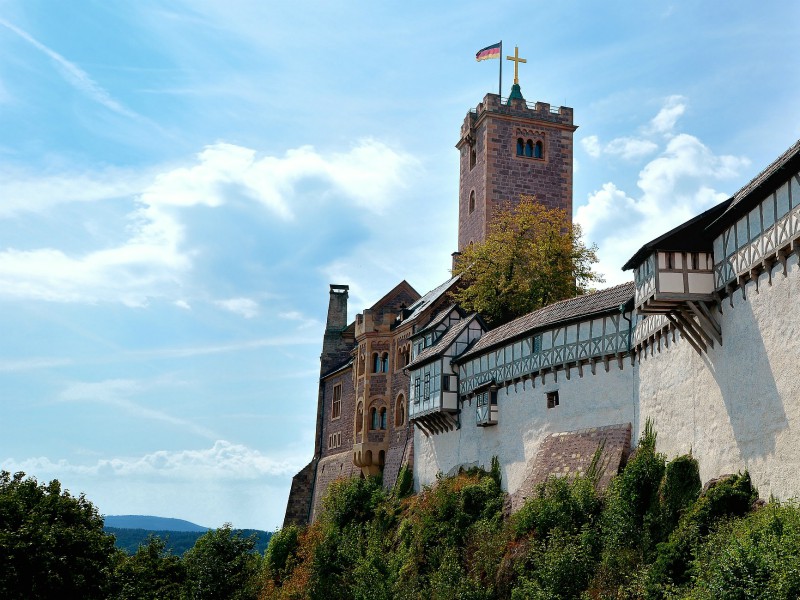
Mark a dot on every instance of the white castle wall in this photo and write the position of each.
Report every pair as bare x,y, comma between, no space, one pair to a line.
524,420
738,407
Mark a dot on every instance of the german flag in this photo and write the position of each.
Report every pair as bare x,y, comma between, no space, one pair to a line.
492,51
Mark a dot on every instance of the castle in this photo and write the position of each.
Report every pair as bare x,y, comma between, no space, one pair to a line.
704,342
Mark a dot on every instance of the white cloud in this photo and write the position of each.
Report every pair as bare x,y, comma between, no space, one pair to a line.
631,148
591,145
73,74
151,259
223,460
674,186
304,321
32,364
244,307
182,304
117,393
667,117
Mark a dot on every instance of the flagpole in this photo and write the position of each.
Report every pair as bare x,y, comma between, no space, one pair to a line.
500,84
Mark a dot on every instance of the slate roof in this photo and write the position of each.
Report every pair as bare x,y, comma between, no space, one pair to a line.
566,310
697,233
687,237
450,336
439,317
420,305
335,370
743,200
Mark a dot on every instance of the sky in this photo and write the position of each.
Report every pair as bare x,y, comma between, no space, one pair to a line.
180,181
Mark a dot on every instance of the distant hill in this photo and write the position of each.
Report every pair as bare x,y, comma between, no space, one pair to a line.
151,523
177,542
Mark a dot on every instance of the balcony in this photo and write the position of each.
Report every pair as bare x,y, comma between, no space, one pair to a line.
370,455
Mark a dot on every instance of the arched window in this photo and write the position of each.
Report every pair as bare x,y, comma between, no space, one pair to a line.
385,362
520,146
538,150
376,363
472,201
360,417
473,157
383,418
529,148
373,421
382,458
400,411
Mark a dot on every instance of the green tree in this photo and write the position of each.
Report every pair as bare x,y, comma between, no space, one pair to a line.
52,544
152,572
532,256
222,566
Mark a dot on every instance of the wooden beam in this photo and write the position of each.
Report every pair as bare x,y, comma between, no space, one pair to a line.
699,334
709,327
687,337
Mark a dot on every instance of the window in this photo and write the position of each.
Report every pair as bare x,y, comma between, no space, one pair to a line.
427,391
552,399
383,419
416,390
400,411
529,148
336,407
538,150
473,157
446,383
520,146
385,362
335,440
376,363
472,202
373,418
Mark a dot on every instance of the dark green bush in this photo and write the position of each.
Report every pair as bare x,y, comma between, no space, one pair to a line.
352,500
559,502
679,490
732,496
279,557
754,557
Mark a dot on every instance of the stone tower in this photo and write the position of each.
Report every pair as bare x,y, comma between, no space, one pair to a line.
508,149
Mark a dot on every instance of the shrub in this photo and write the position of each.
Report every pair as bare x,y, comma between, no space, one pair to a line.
279,557
679,490
568,505
755,557
352,500
732,496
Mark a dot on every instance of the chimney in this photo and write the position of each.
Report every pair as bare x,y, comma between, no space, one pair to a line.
335,349
337,308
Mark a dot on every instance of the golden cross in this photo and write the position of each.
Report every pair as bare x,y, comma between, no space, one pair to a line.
516,60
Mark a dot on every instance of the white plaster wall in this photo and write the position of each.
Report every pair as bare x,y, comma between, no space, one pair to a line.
738,407
524,421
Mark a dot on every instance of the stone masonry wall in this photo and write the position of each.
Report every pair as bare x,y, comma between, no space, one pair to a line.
499,175
330,469
299,504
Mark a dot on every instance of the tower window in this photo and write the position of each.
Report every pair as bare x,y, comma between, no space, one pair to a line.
383,418
336,410
520,146
552,399
473,157
538,150
376,363
529,148
400,411
373,418
472,202
385,362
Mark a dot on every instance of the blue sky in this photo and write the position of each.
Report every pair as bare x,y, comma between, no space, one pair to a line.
180,181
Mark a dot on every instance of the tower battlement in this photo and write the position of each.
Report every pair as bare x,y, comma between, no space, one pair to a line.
509,149
515,108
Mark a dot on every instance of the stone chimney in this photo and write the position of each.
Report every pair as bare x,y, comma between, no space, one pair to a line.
335,348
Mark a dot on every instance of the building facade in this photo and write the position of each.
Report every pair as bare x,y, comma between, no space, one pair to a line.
704,342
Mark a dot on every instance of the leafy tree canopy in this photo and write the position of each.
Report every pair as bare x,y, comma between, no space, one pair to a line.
52,544
532,256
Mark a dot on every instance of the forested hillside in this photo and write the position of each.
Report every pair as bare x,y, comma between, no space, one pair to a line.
176,542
